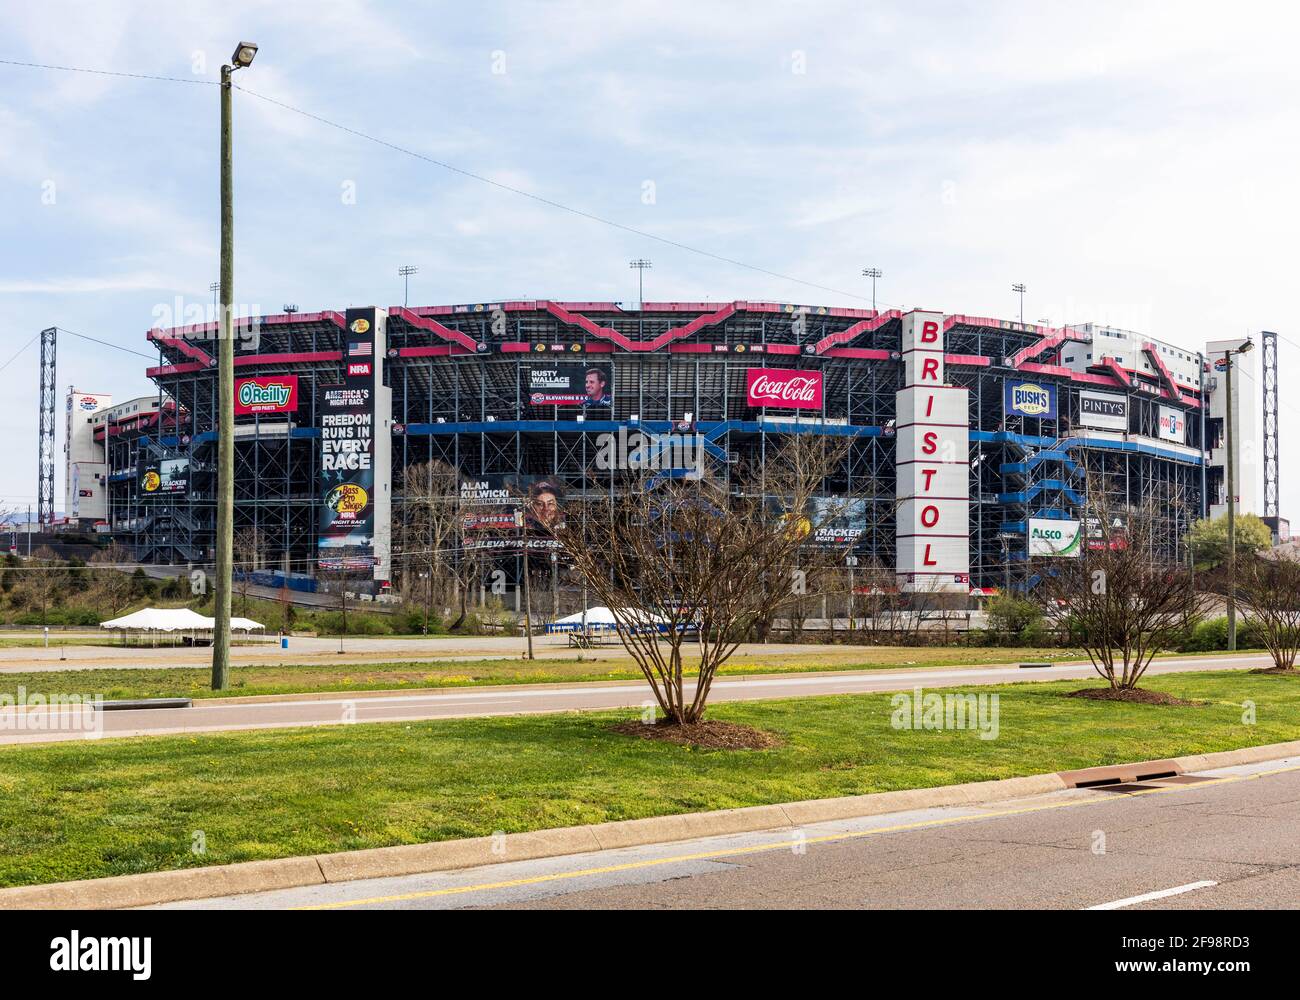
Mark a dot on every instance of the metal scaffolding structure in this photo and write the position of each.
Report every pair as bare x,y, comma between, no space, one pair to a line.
1270,424
459,378
45,428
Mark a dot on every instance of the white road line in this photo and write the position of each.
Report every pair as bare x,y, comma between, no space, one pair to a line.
1159,894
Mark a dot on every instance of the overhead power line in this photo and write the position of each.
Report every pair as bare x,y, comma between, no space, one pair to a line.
540,199
106,343
18,352
106,72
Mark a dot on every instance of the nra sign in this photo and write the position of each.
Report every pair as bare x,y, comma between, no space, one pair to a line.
269,394
783,388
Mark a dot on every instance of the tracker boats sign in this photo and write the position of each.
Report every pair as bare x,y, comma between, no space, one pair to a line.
783,388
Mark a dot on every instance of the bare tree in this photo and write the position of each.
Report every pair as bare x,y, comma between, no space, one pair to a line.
43,578
428,531
1268,591
111,577
1125,595
689,568
247,549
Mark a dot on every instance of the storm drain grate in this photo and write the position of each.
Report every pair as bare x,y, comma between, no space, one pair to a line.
1111,783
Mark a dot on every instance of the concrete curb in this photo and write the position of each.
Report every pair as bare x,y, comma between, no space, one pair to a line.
385,862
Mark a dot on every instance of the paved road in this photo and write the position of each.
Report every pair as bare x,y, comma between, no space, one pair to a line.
372,650
42,725
1225,843
302,649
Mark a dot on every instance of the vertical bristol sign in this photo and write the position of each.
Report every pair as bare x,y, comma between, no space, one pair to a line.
933,466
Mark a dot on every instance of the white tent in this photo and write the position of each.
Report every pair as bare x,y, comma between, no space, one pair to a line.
598,619
161,620
174,620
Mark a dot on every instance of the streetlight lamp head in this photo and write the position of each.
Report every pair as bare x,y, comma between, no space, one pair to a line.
1246,346
244,53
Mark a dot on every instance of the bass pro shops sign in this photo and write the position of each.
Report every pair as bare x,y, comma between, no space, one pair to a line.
933,465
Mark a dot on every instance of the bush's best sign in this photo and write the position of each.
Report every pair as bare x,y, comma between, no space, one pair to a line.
1029,399
783,388
933,466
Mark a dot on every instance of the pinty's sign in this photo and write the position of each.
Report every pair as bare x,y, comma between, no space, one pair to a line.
783,388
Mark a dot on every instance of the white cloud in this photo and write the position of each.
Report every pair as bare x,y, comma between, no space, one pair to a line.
1123,161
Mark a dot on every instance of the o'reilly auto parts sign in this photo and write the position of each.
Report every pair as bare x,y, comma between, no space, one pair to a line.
268,394
1051,537
1106,410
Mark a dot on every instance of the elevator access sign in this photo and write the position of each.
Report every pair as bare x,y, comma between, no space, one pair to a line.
270,394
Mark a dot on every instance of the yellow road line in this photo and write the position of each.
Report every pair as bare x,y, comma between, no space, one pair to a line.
783,845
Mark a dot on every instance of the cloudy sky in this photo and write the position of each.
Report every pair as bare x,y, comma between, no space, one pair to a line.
1132,163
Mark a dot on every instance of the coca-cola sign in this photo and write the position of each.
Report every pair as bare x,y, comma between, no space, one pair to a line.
783,388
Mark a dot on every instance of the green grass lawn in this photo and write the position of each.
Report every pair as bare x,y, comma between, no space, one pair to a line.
599,665
88,809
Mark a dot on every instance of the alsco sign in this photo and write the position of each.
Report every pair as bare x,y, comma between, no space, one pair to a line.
266,394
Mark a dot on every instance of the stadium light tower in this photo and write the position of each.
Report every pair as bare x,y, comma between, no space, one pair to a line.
215,288
405,271
1019,289
1232,492
641,264
873,273
240,59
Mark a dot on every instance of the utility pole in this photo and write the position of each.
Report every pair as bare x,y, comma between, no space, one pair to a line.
405,271
243,56
873,273
1231,473
1019,289
555,586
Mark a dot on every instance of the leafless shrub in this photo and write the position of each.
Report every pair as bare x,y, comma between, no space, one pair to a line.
1267,589
1124,596
691,568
